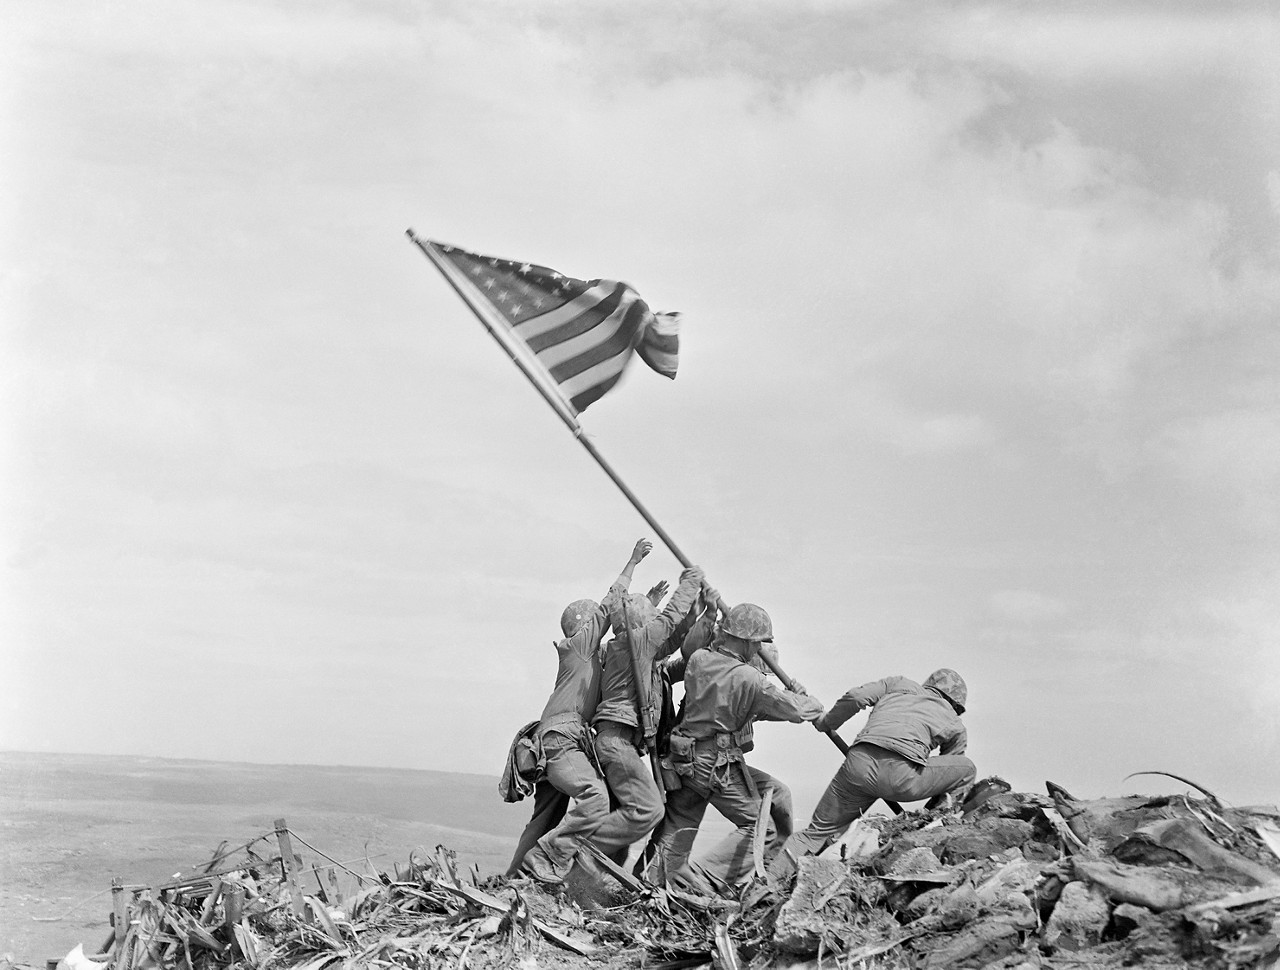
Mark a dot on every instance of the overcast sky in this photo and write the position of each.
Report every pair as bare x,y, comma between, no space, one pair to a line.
979,368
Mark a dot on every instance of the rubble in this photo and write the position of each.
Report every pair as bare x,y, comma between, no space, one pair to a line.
1005,880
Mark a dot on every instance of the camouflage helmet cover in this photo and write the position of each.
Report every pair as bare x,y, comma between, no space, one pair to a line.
747,621
633,608
641,610
575,613
950,685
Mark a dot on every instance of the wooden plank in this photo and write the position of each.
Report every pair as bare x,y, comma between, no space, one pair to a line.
492,903
290,867
232,905
119,915
210,901
1261,895
615,870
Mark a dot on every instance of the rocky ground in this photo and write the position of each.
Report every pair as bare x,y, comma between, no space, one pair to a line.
1005,879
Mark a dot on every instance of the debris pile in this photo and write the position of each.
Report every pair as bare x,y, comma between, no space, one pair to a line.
1005,879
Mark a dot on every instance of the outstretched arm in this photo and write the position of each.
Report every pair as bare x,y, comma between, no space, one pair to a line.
642,548
854,701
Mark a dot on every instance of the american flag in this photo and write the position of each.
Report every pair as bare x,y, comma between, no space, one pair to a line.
582,333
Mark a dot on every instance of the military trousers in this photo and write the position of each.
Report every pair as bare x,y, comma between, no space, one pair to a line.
570,770
549,807
870,772
630,779
735,790
730,860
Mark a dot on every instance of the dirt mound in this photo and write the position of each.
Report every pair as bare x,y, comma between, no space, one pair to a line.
1006,879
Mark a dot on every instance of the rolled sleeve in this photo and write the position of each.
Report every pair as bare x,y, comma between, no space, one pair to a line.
854,701
699,635
776,704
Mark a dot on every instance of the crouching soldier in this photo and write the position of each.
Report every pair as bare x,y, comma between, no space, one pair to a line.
565,741
723,695
890,758
642,638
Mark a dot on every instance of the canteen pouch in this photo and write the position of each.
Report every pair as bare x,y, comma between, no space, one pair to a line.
680,748
528,758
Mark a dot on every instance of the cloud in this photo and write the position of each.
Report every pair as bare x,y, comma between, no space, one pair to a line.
1089,40
1026,606
1235,453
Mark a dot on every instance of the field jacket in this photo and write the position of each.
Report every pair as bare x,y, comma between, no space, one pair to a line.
905,718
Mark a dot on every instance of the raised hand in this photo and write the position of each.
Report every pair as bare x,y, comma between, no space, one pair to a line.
642,549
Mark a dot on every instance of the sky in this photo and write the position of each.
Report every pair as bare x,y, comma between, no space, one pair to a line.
978,369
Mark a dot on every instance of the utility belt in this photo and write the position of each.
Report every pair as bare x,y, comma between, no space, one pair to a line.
572,727
630,733
570,724
714,754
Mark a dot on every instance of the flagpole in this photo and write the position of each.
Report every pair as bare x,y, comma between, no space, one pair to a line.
560,406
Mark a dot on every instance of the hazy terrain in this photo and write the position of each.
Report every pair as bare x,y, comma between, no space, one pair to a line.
69,823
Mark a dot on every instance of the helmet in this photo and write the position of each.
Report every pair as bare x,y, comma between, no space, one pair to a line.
631,612
573,615
950,685
640,609
748,622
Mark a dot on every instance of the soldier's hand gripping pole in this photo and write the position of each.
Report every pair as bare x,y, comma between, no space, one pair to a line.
787,682
790,684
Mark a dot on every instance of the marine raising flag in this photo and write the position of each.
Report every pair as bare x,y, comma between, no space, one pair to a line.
582,333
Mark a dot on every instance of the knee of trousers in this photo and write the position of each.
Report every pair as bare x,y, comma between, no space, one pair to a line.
591,803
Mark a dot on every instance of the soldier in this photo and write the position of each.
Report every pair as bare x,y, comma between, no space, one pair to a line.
890,758
564,738
626,708
723,694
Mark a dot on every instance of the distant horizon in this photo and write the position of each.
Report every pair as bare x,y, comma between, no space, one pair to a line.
245,761
1159,781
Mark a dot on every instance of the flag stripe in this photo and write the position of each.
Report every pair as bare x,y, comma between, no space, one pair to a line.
601,377
578,327
598,336
619,344
558,316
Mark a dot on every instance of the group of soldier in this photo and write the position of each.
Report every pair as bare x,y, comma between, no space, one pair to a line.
613,760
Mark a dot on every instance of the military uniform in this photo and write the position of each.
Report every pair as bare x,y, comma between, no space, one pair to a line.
723,695
565,742
890,758
619,733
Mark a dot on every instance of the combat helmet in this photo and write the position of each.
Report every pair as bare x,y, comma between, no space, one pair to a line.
631,612
950,685
747,621
575,613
